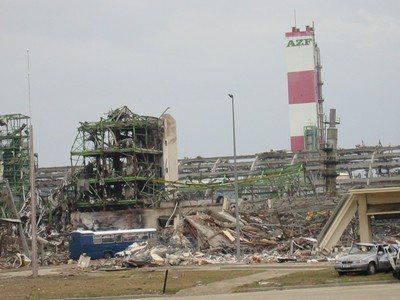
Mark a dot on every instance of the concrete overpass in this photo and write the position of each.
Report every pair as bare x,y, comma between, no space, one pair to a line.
367,202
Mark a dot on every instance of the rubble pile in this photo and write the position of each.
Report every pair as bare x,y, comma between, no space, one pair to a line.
208,237
52,250
283,233
9,246
264,236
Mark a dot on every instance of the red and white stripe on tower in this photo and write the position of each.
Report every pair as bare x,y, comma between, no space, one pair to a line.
304,90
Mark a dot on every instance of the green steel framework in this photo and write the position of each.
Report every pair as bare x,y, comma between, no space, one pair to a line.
117,159
14,154
267,183
118,163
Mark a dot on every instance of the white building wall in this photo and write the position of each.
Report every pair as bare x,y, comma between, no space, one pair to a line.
302,115
300,58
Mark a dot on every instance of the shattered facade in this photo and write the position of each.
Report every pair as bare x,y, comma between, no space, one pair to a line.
118,162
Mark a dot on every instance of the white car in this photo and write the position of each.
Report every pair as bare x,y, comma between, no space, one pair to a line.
366,258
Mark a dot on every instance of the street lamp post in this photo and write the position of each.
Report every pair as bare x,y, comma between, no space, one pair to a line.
35,271
236,183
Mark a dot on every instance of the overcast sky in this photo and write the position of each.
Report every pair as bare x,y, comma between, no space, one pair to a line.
88,57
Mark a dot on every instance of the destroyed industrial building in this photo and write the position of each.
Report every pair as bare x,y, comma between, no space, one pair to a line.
125,173
121,161
280,205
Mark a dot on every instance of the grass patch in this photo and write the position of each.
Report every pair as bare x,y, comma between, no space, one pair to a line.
80,284
314,277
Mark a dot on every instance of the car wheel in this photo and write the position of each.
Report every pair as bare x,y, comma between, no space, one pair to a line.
107,255
396,274
371,269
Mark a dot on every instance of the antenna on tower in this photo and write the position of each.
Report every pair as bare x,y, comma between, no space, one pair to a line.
313,27
29,84
295,21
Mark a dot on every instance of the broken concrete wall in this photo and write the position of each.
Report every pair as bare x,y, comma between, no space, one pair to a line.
170,149
107,220
130,218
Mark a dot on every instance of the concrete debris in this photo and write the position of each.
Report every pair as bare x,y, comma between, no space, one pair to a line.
83,261
207,237
23,260
52,247
201,237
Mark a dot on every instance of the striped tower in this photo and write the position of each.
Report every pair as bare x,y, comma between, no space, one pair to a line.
304,90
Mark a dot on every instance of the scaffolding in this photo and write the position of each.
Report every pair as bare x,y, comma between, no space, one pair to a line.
285,181
117,162
311,138
14,155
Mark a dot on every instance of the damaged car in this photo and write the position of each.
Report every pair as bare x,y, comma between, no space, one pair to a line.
366,258
131,249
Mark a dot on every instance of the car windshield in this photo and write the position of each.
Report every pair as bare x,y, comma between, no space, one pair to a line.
362,249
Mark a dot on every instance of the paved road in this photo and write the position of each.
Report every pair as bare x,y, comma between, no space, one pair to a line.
389,291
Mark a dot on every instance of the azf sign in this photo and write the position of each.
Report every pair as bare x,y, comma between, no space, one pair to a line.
299,42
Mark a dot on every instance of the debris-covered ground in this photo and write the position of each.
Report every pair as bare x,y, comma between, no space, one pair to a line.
285,232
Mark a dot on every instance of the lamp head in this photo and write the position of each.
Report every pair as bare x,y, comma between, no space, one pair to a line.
230,95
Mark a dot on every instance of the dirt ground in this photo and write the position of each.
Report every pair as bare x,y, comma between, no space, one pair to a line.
69,281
